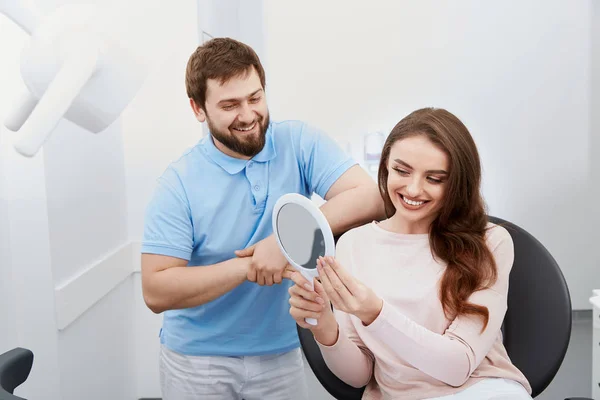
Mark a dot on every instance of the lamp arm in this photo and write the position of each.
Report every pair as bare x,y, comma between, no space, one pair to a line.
22,13
56,100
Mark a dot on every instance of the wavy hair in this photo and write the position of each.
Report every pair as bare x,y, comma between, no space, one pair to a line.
457,235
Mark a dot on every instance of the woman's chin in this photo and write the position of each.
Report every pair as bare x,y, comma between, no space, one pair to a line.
413,216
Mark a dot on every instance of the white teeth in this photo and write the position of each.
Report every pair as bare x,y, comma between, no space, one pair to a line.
411,202
246,129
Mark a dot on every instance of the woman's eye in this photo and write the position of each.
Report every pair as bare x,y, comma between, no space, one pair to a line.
401,171
434,180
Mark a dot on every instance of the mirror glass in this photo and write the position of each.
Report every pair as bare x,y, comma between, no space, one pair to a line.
300,235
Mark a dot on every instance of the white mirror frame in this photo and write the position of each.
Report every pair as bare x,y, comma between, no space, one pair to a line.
315,212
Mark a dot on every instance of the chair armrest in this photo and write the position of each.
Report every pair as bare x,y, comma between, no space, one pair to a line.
15,366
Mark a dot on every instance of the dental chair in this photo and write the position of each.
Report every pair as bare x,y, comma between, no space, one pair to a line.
15,366
536,328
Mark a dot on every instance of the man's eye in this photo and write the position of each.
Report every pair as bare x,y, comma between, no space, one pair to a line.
254,100
228,107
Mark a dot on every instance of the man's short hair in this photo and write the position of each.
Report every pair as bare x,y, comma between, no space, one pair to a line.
220,59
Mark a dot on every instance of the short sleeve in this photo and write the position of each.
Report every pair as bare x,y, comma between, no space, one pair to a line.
168,226
323,160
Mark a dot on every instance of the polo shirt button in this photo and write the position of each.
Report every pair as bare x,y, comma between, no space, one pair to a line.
256,188
250,164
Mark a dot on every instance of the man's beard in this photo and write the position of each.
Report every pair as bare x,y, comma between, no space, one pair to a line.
247,145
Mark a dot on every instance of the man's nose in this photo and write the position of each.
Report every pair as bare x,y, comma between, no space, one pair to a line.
246,115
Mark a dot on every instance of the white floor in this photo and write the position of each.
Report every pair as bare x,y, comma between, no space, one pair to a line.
574,379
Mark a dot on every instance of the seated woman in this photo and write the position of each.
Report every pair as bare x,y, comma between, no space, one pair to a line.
420,297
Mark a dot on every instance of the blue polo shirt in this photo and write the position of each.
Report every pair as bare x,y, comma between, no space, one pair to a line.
207,205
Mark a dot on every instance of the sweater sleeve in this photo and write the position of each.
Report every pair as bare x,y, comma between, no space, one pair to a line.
348,358
452,356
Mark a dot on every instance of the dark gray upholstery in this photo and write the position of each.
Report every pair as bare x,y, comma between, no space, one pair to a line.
15,366
537,326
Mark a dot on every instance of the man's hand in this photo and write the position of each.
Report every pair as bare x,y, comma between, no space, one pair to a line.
267,264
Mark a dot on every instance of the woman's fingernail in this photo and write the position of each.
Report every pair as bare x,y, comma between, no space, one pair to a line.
307,286
320,300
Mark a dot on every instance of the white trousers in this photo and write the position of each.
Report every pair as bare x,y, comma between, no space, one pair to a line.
270,377
491,389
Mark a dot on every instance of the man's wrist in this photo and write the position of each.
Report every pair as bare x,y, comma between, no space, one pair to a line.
243,266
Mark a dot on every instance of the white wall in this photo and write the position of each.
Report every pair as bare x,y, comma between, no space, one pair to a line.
238,19
97,351
517,73
159,124
29,315
67,224
157,128
595,129
8,336
87,222
31,271
251,22
219,18
85,186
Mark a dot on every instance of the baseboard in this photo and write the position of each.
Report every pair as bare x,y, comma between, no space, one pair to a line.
77,295
582,316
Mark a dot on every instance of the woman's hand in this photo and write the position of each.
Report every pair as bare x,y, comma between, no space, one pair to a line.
307,303
347,293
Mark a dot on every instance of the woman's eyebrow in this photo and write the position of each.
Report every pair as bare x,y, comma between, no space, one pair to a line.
431,171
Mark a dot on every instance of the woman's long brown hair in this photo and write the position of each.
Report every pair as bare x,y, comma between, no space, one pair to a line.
457,235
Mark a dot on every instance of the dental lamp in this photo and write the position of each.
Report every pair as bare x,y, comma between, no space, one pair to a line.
72,68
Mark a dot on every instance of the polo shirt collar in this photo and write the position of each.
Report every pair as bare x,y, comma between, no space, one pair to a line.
234,165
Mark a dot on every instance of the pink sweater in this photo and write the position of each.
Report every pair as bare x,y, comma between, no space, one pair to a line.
411,351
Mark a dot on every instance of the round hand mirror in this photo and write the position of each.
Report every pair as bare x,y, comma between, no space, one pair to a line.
303,235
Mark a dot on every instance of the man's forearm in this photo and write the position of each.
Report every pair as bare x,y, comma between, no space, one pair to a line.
185,287
353,207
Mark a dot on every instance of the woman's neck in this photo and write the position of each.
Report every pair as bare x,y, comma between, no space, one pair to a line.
401,225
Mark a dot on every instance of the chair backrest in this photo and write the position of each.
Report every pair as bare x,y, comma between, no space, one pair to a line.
537,325
15,366
334,385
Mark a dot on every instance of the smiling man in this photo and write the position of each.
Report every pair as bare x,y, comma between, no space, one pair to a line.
209,259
